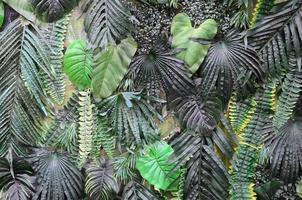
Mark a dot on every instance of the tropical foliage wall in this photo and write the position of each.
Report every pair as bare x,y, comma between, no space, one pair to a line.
150,99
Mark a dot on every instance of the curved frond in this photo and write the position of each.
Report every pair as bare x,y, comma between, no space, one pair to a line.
160,69
16,179
276,35
53,10
100,182
58,178
107,21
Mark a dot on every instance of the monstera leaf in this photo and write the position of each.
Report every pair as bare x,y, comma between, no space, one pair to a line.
110,67
53,10
182,32
155,167
78,64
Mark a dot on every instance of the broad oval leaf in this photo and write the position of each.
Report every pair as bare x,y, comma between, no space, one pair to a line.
53,10
156,168
110,67
78,62
183,32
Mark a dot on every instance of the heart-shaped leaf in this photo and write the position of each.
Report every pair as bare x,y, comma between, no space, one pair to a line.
156,168
78,64
183,34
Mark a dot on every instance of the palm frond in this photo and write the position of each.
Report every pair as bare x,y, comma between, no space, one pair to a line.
276,35
124,166
58,178
21,56
207,177
285,151
160,69
53,10
198,113
100,182
107,21
135,190
132,118
16,179
227,62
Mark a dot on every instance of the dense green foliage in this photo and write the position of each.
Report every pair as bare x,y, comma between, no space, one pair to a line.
87,112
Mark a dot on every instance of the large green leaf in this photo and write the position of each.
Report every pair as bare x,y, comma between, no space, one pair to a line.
78,64
110,67
156,168
182,32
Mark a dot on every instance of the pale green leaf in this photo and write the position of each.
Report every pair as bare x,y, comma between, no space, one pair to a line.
183,32
110,67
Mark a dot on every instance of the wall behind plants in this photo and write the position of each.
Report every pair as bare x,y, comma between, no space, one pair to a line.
150,99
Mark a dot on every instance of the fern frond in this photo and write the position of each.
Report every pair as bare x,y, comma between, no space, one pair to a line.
55,35
262,8
86,125
103,138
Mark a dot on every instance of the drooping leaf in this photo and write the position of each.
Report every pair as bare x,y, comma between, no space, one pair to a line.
268,190
110,66
16,179
78,61
182,32
107,22
198,113
100,182
132,118
58,178
53,10
22,96
159,69
154,166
